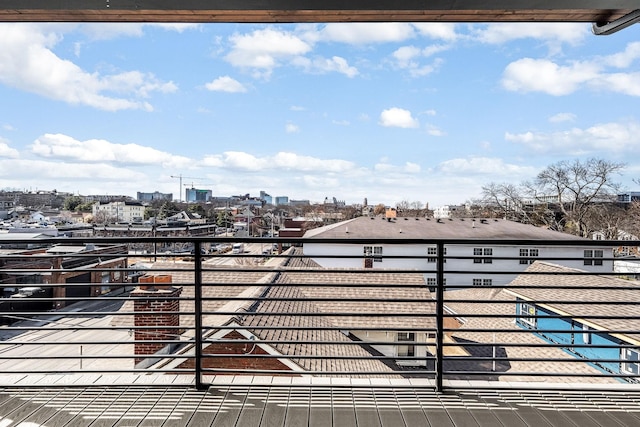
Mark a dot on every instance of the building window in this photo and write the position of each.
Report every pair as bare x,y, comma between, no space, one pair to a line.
482,282
432,283
432,251
408,350
527,314
630,361
593,257
485,253
374,252
527,255
377,253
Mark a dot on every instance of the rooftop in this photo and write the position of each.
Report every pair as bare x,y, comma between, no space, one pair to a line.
429,228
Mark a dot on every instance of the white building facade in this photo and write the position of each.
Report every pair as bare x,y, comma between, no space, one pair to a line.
484,262
123,211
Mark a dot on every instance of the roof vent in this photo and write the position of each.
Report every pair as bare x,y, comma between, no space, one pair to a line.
439,220
406,219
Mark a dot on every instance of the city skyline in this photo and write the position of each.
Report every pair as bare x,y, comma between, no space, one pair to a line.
423,112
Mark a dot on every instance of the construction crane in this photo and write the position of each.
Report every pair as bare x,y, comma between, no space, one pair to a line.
180,177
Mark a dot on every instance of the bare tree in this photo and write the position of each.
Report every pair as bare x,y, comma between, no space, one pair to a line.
578,187
632,219
507,198
606,218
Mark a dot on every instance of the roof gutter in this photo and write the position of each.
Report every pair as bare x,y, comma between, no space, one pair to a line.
606,28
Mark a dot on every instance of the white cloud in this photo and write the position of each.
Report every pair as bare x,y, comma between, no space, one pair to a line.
605,137
22,171
562,117
111,30
411,167
625,83
434,130
6,151
385,167
498,33
28,63
341,122
359,33
297,108
483,166
284,161
408,57
437,30
291,128
265,49
398,117
626,58
542,75
95,150
226,84
337,64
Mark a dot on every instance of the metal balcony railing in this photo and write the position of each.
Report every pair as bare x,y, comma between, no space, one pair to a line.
443,309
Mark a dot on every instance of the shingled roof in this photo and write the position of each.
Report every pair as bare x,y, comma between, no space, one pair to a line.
429,228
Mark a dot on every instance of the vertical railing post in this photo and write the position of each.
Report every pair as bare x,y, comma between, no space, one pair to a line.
197,283
439,316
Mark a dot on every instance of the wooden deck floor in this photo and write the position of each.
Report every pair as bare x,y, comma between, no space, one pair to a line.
312,405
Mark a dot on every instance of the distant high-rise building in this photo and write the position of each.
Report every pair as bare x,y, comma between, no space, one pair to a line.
266,197
156,195
195,195
282,200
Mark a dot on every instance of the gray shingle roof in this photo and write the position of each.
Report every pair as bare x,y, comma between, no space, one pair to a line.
415,228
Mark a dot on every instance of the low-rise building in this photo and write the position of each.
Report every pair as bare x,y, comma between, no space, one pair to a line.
120,211
480,261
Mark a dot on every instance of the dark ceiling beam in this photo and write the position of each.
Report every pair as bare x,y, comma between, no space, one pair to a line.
273,11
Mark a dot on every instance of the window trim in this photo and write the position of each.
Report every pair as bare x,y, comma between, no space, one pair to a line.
527,310
626,361
410,348
483,255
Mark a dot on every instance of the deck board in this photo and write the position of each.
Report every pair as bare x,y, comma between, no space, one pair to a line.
298,407
290,404
343,408
365,408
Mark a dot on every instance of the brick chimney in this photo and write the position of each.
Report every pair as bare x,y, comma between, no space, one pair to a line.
154,305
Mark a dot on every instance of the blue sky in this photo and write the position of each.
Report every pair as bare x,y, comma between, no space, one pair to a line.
423,112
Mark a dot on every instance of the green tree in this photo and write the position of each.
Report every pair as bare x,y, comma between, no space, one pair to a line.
72,202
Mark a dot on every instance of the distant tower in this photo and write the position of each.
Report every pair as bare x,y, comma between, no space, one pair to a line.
366,203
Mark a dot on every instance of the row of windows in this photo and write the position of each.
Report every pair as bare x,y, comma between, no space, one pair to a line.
483,255
431,282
